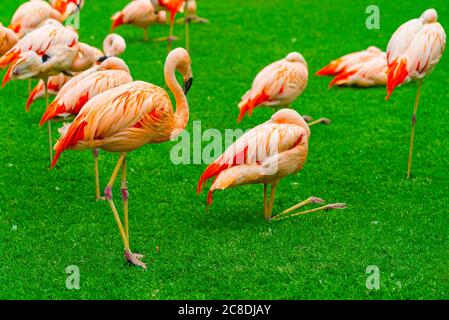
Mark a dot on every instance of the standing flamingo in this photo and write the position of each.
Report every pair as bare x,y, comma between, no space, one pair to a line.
265,155
173,6
277,85
8,39
113,46
412,53
365,68
112,73
129,117
140,13
44,52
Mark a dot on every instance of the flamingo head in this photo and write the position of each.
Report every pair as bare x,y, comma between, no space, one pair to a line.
114,45
26,66
429,16
180,60
162,17
296,57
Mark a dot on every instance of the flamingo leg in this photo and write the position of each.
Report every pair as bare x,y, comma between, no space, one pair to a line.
170,34
145,35
187,25
48,122
125,197
97,176
332,206
130,257
264,200
29,86
412,136
310,200
321,120
271,202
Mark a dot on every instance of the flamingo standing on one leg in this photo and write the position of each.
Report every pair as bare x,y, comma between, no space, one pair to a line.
412,53
129,117
140,13
277,85
112,73
44,52
265,155
365,68
173,6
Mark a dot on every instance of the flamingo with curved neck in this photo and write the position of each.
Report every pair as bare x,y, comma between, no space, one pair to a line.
129,117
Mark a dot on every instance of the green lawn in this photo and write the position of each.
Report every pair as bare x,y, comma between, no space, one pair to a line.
49,219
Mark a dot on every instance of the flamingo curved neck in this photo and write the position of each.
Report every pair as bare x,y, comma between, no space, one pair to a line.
182,106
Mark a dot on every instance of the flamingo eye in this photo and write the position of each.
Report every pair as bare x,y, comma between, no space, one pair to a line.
45,58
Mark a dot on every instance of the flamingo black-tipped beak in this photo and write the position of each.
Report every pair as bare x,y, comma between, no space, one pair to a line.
104,58
187,85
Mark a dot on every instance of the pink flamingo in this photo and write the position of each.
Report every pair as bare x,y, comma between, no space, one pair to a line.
113,46
140,13
265,155
8,39
46,51
173,6
129,117
277,86
112,73
365,68
412,53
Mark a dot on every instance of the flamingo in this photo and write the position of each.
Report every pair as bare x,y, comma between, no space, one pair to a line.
30,15
112,73
412,53
365,68
129,117
265,155
277,85
173,6
140,13
44,52
8,39
113,46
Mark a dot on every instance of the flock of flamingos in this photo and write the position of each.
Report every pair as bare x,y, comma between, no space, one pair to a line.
117,114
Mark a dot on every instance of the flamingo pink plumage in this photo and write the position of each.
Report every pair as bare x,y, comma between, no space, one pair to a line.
140,13
277,85
129,117
8,39
412,53
365,68
264,155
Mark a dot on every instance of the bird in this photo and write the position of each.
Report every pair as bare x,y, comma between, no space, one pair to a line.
366,68
265,155
31,14
413,52
126,118
173,6
140,13
8,39
46,51
70,100
277,86
113,46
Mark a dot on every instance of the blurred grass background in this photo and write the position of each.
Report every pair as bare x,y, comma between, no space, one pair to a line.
49,219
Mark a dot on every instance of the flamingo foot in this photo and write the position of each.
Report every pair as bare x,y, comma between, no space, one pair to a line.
162,39
307,118
312,200
134,259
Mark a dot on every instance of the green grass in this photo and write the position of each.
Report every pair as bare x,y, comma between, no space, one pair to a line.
231,252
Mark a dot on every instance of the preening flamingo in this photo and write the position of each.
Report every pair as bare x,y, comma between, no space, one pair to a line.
30,15
44,52
113,46
365,68
8,39
112,73
140,13
277,85
412,53
173,6
129,117
265,155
